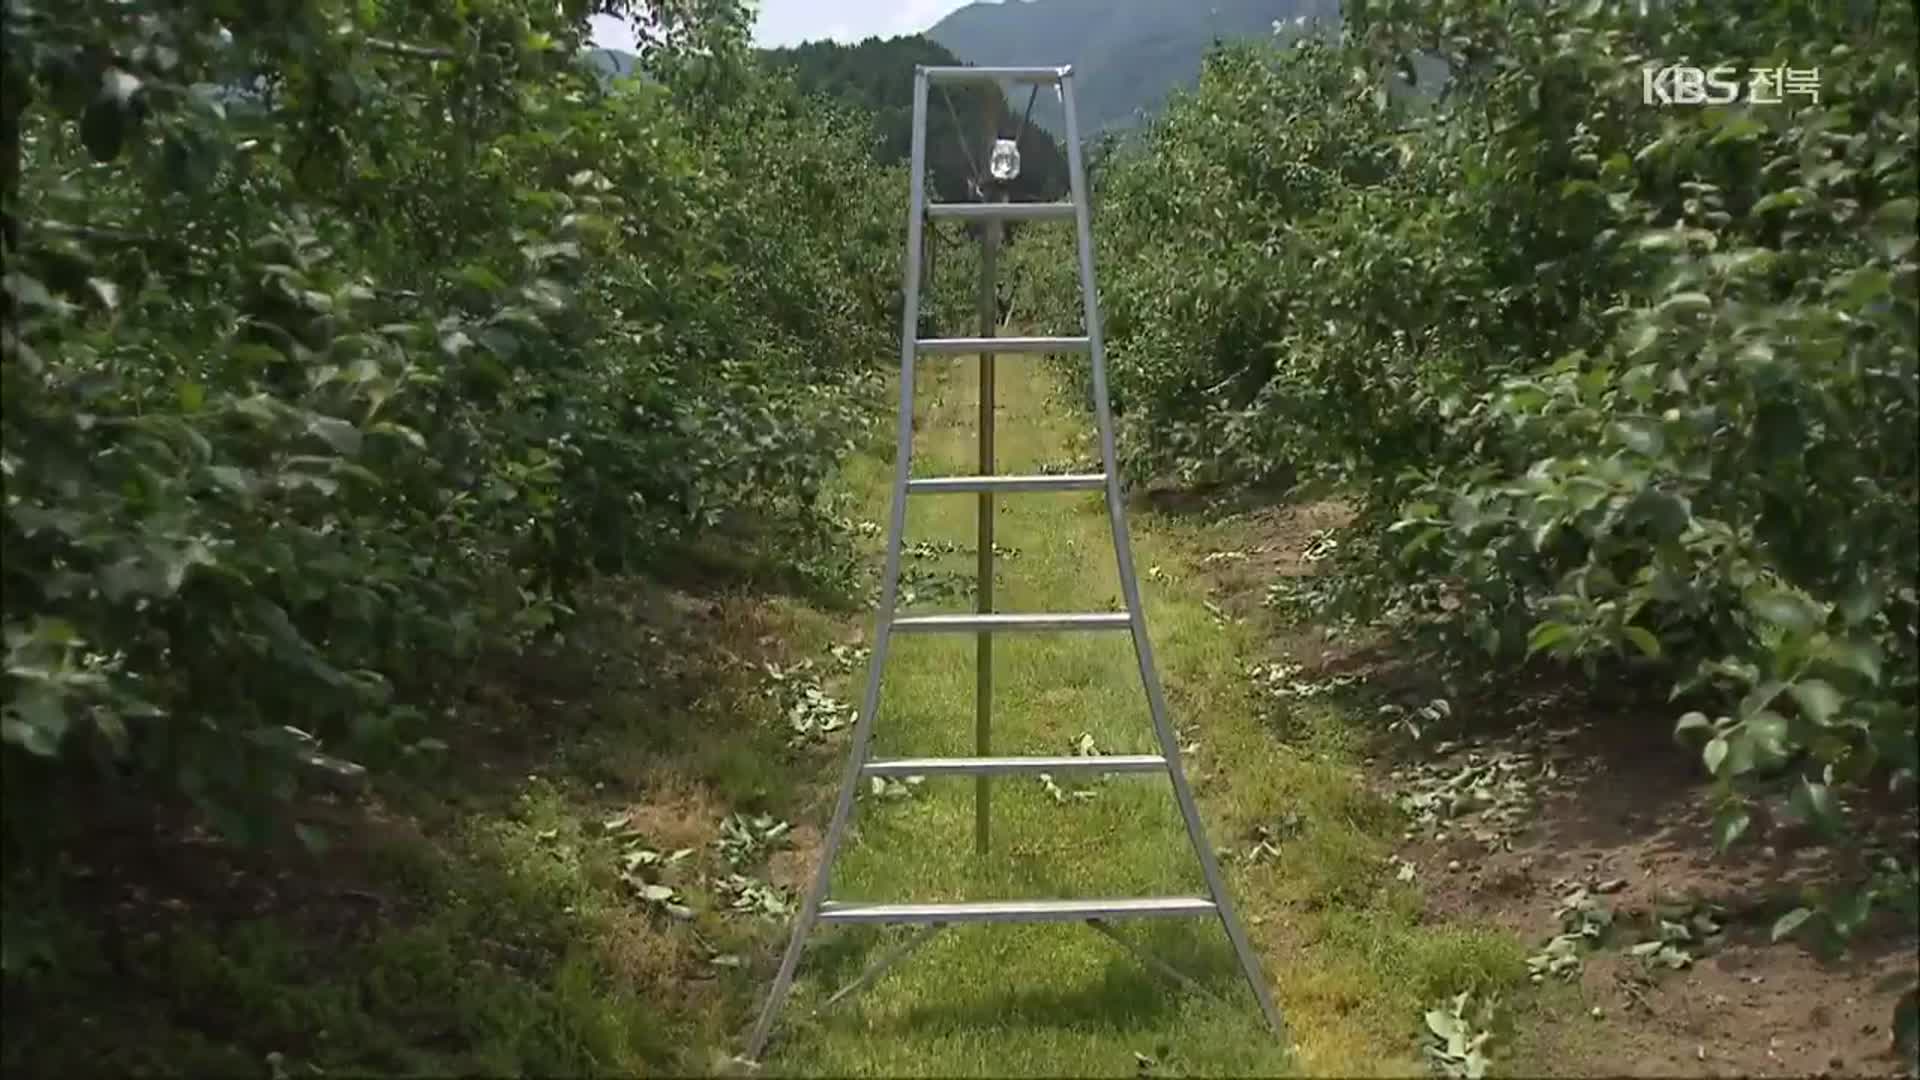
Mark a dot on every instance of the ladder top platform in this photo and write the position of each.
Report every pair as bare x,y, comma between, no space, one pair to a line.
968,346
930,485
1003,211
995,74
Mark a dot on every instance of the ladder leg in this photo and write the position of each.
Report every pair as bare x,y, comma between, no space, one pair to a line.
889,593
1130,584
1190,813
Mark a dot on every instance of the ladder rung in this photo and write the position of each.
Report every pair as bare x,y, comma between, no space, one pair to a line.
997,766
1006,211
1104,620
995,74
940,485
1004,345
1016,910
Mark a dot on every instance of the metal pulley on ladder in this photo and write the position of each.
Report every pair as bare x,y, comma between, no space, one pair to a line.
816,907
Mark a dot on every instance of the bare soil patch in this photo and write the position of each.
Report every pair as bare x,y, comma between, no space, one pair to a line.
1630,815
1582,792
673,812
793,866
1273,542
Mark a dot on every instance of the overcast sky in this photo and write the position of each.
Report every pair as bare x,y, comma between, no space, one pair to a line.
789,22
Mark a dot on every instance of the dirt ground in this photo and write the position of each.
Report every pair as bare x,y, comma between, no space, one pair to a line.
1558,797
1631,817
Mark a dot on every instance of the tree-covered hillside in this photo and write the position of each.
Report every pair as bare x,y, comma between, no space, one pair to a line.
1129,53
876,76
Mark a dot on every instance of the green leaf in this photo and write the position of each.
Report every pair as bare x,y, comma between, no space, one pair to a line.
479,277
234,480
1546,635
1785,609
31,292
337,433
105,291
36,722
1864,285
1789,198
1729,824
1714,754
1814,803
1685,302
1860,657
1893,227
1415,514
1644,639
1760,697
1666,513
399,431
1691,726
1817,698
1641,435
1859,603
1848,911
1768,731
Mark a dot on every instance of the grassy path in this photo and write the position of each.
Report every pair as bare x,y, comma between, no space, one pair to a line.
1348,964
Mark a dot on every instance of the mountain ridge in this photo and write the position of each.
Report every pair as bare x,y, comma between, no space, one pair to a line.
1128,55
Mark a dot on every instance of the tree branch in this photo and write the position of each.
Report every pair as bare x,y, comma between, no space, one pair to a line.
411,52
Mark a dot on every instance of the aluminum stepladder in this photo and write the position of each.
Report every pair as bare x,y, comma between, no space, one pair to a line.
815,908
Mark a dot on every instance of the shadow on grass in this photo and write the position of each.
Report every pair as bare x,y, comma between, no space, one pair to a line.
1124,995
1128,990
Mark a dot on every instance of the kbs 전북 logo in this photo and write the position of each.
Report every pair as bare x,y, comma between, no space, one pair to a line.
1685,84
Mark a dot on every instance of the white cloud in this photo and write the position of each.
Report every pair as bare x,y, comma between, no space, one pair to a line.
612,33
788,22
919,15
